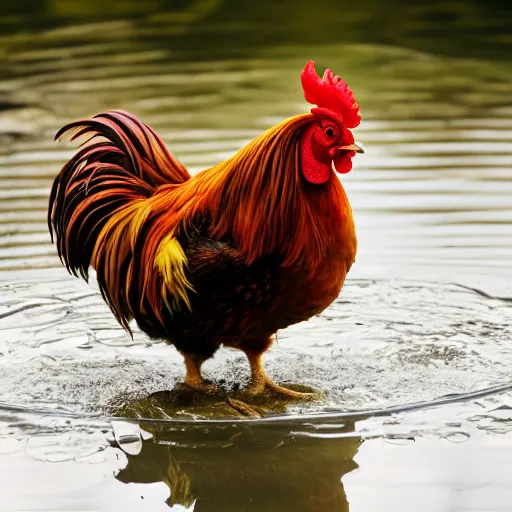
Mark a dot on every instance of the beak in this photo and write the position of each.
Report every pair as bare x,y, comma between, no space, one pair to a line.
351,147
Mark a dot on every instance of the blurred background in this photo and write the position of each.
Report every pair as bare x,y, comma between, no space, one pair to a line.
425,311
433,78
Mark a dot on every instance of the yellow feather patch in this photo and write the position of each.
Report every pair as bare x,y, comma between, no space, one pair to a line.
141,213
171,262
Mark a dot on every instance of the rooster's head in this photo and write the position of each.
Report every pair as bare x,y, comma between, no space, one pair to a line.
328,144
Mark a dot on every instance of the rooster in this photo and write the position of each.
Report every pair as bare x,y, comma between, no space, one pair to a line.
228,256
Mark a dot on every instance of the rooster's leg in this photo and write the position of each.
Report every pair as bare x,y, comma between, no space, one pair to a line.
193,378
261,384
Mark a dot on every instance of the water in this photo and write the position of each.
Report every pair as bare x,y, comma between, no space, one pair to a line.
424,314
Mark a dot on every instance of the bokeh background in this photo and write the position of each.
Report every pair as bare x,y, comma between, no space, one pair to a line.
434,81
425,311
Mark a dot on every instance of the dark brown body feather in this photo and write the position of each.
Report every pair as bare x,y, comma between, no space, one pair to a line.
234,303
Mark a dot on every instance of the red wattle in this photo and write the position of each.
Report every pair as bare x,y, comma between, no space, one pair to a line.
343,163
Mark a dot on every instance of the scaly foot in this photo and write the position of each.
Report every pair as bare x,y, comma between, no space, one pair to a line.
194,379
202,387
263,386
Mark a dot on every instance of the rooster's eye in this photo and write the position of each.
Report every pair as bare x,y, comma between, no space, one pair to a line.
329,132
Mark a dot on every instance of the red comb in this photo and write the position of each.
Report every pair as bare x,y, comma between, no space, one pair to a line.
331,93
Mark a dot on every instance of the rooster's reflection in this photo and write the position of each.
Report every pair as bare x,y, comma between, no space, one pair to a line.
259,469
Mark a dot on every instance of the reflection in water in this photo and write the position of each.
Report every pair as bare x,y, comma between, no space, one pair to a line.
155,463
260,470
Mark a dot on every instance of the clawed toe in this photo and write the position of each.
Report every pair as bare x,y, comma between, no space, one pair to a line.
263,386
291,394
269,389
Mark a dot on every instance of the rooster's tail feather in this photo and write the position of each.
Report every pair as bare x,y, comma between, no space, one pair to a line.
120,165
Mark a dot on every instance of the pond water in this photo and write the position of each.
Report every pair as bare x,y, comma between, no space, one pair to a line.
414,356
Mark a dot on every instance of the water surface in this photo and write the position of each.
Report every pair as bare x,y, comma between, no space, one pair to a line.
424,314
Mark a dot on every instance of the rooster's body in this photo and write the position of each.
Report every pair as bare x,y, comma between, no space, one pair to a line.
228,256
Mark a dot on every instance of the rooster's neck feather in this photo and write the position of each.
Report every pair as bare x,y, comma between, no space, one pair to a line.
260,201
